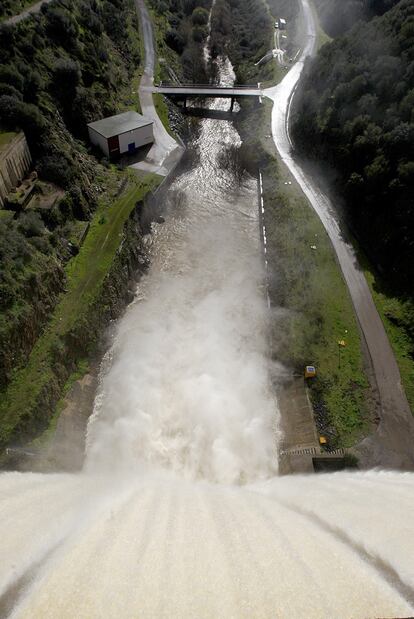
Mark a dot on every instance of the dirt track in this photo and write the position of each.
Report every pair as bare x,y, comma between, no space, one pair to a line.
35,8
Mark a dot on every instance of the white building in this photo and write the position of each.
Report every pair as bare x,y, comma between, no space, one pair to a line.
122,133
282,23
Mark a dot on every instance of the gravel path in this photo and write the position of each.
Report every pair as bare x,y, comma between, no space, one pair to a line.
35,8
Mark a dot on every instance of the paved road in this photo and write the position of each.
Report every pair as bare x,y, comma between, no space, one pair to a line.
165,152
393,443
35,8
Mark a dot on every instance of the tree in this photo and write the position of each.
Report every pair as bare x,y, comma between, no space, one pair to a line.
200,33
354,110
57,169
9,90
175,40
61,27
10,75
199,17
66,76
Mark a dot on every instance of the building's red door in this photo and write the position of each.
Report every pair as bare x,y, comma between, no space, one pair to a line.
113,145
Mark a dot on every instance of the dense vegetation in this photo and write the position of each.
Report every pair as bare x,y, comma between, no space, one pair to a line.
244,31
241,30
186,33
62,68
355,111
66,66
337,16
8,8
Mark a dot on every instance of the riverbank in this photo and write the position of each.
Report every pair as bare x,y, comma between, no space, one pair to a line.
98,280
313,310
391,444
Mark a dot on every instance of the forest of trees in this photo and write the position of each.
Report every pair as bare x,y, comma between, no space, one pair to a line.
59,70
243,29
337,16
187,34
355,111
63,68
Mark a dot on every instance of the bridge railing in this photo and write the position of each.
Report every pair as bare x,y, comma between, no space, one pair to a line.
208,86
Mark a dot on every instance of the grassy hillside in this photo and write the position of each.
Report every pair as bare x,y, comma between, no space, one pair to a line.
72,63
8,8
28,402
354,111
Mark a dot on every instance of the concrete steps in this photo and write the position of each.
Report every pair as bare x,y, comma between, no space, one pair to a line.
311,451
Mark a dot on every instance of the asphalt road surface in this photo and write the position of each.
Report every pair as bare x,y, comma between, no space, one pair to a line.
165,151
392,445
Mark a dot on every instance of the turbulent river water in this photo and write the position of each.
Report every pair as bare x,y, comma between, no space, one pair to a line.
179,512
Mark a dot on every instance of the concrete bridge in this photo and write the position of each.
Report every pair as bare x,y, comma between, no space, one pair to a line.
182,92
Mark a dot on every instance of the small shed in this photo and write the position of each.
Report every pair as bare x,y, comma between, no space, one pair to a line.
122,133
282,23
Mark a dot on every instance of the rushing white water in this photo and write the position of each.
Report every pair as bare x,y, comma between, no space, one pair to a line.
179,512
188,388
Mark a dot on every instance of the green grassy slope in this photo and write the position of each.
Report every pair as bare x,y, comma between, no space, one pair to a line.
85,276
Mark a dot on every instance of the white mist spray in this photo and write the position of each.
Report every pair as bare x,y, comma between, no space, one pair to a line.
188,389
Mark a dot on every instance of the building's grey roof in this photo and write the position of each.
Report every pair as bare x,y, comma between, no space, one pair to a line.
120,123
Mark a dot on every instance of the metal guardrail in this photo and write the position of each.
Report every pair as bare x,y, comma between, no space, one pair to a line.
311,451
209,86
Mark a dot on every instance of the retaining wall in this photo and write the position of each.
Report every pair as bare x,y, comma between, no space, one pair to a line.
15,163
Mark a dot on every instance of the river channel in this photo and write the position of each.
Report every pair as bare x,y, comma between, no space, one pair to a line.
188,388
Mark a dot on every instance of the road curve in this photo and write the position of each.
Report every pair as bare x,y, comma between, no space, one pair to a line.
392,445
35,8
165,152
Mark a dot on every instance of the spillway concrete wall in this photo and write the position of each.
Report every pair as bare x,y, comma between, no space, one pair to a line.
15,163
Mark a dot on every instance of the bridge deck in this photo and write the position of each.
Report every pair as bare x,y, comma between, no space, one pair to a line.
210,91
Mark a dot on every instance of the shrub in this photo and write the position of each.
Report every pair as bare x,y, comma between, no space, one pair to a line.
56,169
200,33
66,76
61,27
33,84
175,40
30,224
11,91
7,39
10,75
15,113
199,17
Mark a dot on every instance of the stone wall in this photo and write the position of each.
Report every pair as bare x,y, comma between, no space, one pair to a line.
15,163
